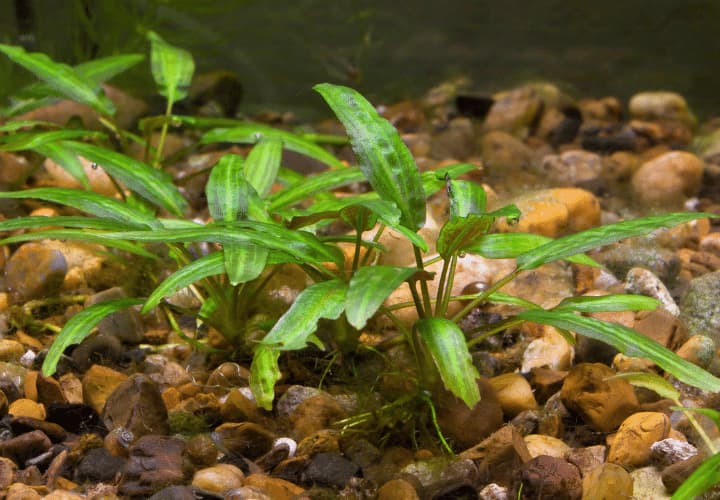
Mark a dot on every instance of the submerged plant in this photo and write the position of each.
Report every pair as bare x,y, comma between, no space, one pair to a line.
265,216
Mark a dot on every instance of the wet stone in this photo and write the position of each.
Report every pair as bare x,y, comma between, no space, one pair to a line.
330,469
314,414
549,477
35,271
125,325
622,257
494,491
20,425
219,478
669,451
175,493
77,418
607,481
276,488
498,456
244,439
668,180
98,350
643,282
662,327
700,309
27,408
25,446
136,404
675,474
98,465
98,383
588,458
154,462
631,445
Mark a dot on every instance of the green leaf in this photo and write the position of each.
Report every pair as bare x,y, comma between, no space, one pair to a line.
79,235
87,201
446,343
209,265
713,415
14,125
105,68
364,214
68,160
38,221
79,327
322,182
368,289
459,233
435,180
33,140
324,300
705,477
384,158
244,262
628,342
466,198
250,133
604,235
513,300
602,303
152,184
262,165
511,245
651,381
264,374
172,68
227,189
61,78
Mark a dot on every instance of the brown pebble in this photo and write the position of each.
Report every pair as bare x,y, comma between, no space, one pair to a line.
397,489
550,477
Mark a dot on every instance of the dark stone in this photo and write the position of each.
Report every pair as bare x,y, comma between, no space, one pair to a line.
568,129
175,493
244,439
674,475
125,324
607,143
12,391
35,271
549,477
25,446
97,350
136,404
330,469
77,418
154,463
473,106
498,456
21,425
98,465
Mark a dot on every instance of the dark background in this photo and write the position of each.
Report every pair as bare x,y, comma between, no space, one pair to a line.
392,49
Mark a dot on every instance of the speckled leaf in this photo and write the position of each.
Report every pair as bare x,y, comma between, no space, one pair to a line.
262,165
628,342
313,185
68,160
384,158
466,198
599,236
619,302
87,201
446,344
368,289
61,78
323,300
79,327
78,235
152,184
250,133
651,381
264,374
172,68
227,191
32,140
510,245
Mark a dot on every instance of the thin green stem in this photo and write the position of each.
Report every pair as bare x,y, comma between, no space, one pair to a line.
427,303
449,286
163,134
375,239
416,300
439,298
699,429
480,298
356,255
435,259
436,425
496,328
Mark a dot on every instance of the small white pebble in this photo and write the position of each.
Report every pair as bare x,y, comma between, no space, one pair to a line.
28,358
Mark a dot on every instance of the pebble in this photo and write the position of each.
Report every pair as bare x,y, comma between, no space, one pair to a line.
514,111
499,456
637,252
540,444
457,140
494,491
661,105
314,414
640,281
293,396
125,324
27,408
397,489
25,446
14,168
20,491
549,477
603,404
276,488
675,474
98,383
219,478
99,180
549,351
11,350
698,349
700,309
136,405
668,180
35,271
244,439
606,482
661,326
504,153
669,451
555,212
98,465
574,168
648,484
330,469
439,476
154,462
631,444
514,393
587,458
174,493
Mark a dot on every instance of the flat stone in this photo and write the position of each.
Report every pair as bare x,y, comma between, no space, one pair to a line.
499,456
607,481
587,458
136,405
27,408
98,465
661,105
540,444
514,393
21,425
550,477
330,469
25,446
219,478
98,383
314,414
154,463
669,451
631,445
34,271
276,488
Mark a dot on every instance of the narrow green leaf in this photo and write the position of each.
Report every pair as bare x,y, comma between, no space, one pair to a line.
604,235
37,221
250,133
209,265
324,300
31,140
227,190
368,289
60,77
79,327
651,381
68,160
79,235
384,158
504,298
701,480
87,201
617,302
466,198
262,165
511,245
152,184
105,68
364,214
264,374
713,415
15,125
446,343
322,182
172,68
244,262
348,208
628,342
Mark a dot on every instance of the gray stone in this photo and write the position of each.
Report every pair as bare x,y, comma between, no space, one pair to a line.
700,308
669,451
643,282
644,253
330,469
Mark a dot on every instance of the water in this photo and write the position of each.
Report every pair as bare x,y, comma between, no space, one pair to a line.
390,50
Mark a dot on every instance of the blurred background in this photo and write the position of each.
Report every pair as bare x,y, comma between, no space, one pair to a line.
390,49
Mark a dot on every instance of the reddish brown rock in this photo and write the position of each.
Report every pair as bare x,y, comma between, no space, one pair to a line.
154,462
549,477
136,404
631,444
499,456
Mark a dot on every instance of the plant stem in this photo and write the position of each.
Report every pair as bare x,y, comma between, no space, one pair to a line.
375,239
436,425
163,133
356,255
496,327
449,285
427,303
439,298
